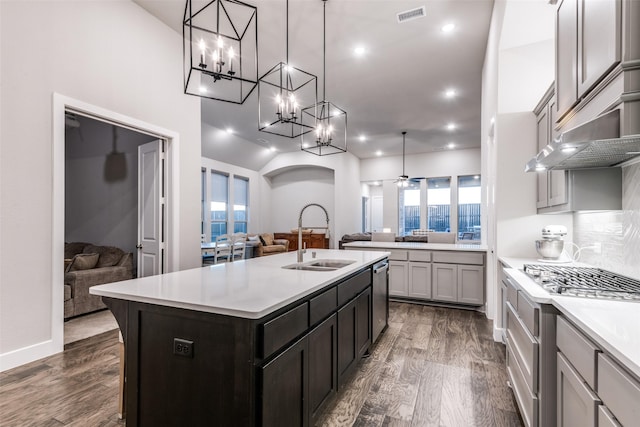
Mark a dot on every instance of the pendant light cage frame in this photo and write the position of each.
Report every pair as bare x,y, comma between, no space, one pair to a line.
283,92
328,121
330,129
226,72
277,114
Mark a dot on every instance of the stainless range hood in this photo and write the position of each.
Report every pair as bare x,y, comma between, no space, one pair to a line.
595,144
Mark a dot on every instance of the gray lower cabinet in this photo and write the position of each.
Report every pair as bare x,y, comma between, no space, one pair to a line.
577,405
420,280
458,283
398,278
593,389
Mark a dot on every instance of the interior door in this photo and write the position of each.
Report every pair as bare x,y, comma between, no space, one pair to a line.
150,208
376,213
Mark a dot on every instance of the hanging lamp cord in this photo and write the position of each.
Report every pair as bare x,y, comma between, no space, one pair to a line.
324,50
403,142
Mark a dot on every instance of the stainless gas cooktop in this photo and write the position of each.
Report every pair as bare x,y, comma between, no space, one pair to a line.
584,282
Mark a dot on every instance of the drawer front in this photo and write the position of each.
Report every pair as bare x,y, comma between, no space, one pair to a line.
452,257
322,305
619,391
578,350
577,404
529,313
527,402
352,286
525,349
512,295
398,255
420,256
605,419
284,328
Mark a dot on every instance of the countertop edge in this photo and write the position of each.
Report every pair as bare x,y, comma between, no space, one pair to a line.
252,315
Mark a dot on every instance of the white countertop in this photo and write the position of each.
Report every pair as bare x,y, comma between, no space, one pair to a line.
249,288
613,325
471,247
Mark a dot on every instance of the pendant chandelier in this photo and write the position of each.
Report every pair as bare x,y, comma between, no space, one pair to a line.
403,180
282,92
220,50
328,121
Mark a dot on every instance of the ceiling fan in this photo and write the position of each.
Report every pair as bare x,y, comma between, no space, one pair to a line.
403,180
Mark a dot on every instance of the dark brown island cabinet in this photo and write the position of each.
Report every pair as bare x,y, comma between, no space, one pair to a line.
192,368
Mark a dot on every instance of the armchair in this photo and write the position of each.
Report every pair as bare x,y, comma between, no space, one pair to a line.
269,246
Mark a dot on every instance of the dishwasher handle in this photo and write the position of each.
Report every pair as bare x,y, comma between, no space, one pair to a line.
380,268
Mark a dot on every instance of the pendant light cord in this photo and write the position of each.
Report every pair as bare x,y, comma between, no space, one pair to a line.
403,136
287,25
324,50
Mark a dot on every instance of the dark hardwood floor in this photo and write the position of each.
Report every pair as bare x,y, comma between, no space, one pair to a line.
432,367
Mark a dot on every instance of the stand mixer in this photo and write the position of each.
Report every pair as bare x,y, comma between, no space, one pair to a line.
552,243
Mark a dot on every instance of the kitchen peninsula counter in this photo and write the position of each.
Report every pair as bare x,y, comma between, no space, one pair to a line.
245,343
466,247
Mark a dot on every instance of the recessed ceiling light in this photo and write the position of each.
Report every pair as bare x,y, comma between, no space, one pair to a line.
378,153
362,138
448,28
450,93
451,126
229,130
359,50
272,148
451,145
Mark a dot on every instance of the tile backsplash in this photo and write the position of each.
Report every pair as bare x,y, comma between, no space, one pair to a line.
617,231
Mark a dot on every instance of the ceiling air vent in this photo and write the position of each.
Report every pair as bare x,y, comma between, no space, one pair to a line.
411,14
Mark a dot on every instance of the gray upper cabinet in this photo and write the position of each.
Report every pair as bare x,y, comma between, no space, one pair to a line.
552,185
566,56
599,41
588,46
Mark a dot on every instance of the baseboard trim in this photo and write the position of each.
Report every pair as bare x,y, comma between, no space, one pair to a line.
498,334
28,354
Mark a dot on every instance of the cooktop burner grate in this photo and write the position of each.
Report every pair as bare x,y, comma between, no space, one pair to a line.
584,282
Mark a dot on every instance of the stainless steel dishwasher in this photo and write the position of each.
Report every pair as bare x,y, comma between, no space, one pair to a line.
380,299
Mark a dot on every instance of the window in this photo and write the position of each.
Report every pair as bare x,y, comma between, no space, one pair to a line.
469,198
219,203
240,204
409,208
438,204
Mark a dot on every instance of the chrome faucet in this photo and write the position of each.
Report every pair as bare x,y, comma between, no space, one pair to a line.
302,251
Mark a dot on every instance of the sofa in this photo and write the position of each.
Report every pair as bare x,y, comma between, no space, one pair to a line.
427,237
87,265
270,246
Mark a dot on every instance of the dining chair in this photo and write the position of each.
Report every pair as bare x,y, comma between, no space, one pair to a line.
239,244
223,248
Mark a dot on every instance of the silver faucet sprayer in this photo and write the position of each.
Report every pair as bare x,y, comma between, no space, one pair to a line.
301,251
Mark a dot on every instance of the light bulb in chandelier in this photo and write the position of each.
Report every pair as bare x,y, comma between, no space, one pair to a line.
324,134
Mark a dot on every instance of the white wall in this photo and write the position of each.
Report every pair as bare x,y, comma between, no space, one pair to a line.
255,206
292,189
113,55
518,69
345,217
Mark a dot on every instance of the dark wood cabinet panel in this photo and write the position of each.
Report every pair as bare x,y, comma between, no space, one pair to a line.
347,351
323,368
284,383
363,322
313,240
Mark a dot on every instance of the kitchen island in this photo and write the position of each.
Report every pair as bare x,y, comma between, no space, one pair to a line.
243,343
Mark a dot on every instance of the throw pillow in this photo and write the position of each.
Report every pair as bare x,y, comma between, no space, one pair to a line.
253,238
262,241
83,262
268,239
109,255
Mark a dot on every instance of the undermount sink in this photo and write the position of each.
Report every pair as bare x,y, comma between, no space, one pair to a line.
320,265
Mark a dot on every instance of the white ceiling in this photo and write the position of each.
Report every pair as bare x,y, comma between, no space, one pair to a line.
397,85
